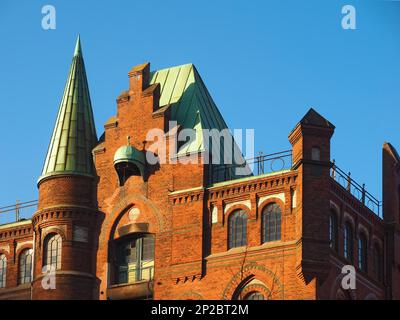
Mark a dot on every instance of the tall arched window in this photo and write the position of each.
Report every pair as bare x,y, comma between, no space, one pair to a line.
348,242
135,258
25,266
237,229
3,270
333,226
271,223
362,252
377,263
52,251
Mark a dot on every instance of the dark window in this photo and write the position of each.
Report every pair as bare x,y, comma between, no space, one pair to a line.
52,250
315,154
3,270
25,266
237,229
135,259
333,226
271,223
377,263
362,253
254,296
348,242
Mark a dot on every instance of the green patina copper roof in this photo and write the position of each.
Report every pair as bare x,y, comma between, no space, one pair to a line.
74,134
129,154
191,103
191,106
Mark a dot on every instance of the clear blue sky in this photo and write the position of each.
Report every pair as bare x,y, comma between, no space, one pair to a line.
264,62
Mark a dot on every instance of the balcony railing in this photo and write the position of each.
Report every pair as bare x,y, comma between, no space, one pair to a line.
261,164
356,189
15,212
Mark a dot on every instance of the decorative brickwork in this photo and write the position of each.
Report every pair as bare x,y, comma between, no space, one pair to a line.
98,218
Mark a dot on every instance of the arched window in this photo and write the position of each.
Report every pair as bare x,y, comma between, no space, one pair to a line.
377,263
348,242
362,252
254,296
271,223
135,258
52,251
25,266
237,229
333,226
3,270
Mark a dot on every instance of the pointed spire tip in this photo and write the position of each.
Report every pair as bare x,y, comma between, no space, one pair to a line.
78,50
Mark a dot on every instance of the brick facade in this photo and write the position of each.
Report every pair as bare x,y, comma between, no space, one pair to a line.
189,218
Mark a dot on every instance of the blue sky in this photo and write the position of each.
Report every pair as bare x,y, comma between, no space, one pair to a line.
264,62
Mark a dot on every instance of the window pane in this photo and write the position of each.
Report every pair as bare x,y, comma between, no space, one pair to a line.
271,223
135,256
148,248
237,229
333,231
53,245
25,266
348,242
3,270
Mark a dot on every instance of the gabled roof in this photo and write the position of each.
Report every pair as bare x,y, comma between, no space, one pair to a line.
191,105
74,134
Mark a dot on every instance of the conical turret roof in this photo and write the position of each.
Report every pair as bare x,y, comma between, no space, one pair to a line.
74,135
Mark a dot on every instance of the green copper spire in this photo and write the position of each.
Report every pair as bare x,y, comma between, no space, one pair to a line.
74,135
78,50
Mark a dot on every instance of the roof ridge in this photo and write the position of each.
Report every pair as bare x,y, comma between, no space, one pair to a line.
173,67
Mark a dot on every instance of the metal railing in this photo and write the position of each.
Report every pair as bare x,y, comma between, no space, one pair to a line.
15,209
356,189
261,164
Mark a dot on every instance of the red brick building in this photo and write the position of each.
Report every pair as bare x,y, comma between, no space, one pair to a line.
110,224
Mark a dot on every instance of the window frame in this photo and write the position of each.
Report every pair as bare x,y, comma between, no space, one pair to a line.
140,257
25,274
237,237
3,268
266,234
57,238
362,252
333,230
348,242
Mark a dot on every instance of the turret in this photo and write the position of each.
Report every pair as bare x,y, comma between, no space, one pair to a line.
65,224
310,141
